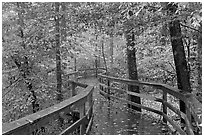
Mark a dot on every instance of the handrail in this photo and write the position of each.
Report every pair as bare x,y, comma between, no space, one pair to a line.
81,73
25,124
28,124
193,106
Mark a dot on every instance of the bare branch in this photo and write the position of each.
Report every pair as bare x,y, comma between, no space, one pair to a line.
190,27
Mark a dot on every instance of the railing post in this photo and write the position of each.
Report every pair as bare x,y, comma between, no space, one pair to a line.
85,74
108,90
188,114
164,106
90,103
99,80
75,76
73,89
82,113
68,79
96,71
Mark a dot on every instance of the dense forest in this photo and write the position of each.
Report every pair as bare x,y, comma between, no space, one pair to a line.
149,41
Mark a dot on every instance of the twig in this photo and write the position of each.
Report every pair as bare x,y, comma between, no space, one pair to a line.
9,90
190,28
12,84
172,66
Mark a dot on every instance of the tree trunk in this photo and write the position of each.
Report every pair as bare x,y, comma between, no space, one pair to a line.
183,79
111,48
23,62
63,23
58,56
199,61
103,54
132,66
96,51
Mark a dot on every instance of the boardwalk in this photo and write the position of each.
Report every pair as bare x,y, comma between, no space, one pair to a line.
110,117
113,118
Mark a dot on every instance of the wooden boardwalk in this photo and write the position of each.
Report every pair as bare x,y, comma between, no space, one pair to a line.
113,118
102,110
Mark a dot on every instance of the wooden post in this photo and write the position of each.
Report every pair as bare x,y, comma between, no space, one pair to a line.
99,80
90,103
188,114
85,74
82,113
96,68
68,85
108,84
73,89
164,106
75,76
75,64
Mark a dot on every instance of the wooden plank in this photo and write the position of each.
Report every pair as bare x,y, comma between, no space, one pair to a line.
82,114
89,125
74,126
134,93
164,101
195,107
43,115
181,114
189,127
164,106
89,111
177,111
73,86
174,125
173,91
71,73
132,103
89,69
78,83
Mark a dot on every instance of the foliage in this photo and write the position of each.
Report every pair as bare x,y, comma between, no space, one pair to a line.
87,25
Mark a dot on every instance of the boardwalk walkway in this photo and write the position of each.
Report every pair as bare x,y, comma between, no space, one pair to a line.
113,118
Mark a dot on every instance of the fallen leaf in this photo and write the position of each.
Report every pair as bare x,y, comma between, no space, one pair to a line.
134,125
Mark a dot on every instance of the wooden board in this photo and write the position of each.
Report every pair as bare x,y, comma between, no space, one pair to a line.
171,90
174,125
132,103
43,115
74,126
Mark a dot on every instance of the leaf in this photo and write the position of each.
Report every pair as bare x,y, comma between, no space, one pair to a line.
134,125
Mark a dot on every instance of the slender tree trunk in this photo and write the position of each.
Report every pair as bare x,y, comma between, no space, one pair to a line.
188,60
96,51
111,48
183,79
75,66
103,54
199,60
132,66
58,56
63,23
23,62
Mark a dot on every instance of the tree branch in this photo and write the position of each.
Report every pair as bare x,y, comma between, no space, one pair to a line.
190,27
14,84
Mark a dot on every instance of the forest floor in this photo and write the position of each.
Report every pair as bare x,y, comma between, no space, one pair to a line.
114,118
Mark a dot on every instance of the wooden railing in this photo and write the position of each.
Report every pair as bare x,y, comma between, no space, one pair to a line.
193,106
83,73
82,103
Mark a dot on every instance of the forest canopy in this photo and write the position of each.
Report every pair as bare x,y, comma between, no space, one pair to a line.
42,41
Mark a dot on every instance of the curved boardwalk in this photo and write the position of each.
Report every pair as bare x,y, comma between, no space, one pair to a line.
113,118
